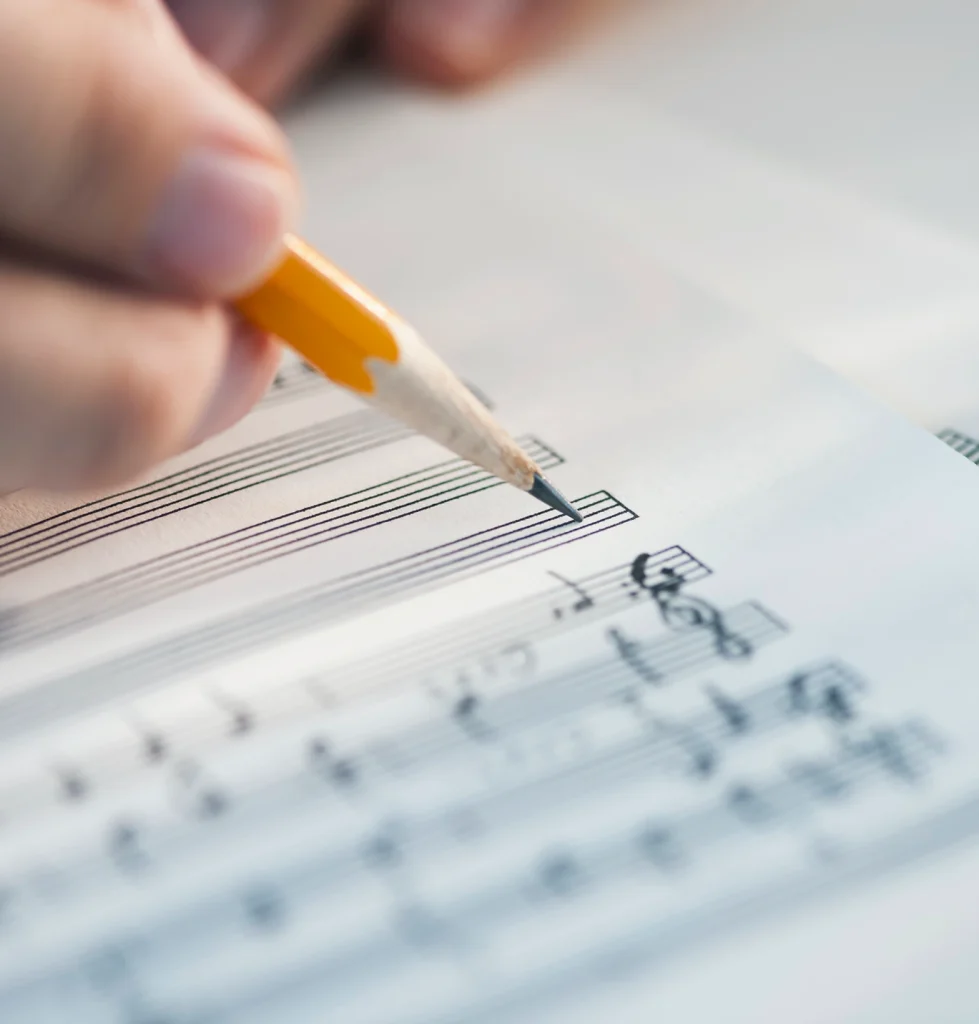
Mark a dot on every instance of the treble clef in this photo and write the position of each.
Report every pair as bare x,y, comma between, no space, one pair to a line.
681,611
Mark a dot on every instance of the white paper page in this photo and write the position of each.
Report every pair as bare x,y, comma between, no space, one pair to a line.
808,161
355,735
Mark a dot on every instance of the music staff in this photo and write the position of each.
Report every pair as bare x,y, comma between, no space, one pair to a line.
878,754
577,744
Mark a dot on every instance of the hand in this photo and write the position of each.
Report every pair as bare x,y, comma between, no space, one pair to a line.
266,46
137,189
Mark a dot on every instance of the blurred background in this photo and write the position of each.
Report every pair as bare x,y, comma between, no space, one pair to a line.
810,163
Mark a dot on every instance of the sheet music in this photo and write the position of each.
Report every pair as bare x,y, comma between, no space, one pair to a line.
321,724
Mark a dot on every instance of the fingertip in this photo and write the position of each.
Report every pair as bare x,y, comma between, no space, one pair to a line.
455,43
219,227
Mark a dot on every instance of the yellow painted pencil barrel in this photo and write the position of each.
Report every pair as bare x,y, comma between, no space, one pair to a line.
354,340
327,318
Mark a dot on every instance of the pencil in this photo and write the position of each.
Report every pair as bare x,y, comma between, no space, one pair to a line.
357,342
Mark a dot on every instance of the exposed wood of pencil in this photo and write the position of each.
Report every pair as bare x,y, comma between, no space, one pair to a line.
357,342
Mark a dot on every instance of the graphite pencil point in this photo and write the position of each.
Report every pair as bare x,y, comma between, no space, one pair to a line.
546,492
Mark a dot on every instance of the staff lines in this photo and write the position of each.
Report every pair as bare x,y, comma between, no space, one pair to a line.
526,621
308,609
263,463
155,579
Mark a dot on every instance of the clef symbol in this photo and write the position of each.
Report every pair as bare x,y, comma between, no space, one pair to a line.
680,611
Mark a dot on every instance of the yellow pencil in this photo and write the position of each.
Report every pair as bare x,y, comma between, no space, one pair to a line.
360,344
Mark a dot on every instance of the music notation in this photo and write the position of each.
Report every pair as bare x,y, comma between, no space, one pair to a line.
681,610
393,838
270,753
455,666
480,657
422,829
281,456
962,443
504,638
100,599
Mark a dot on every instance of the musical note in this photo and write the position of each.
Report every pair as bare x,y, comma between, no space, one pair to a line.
631,653
125,846
658,844
702,757
584,601
465,712
342,772
153,745
74,786
204,800
747,803
681,611
735,717
560,874
264,908
699,757
826,690
384,850
241,717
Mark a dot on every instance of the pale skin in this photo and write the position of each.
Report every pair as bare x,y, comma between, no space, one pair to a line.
143,183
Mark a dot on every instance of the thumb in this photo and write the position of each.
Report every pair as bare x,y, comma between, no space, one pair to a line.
121,151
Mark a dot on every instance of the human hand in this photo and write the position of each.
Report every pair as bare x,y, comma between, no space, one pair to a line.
266,46
137,190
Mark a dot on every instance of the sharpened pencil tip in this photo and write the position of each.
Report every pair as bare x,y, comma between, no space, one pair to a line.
550,495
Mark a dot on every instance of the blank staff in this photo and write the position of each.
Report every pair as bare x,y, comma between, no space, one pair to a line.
311,608
156,579
257,464
962,443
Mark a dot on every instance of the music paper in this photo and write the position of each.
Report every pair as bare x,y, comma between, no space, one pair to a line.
319,723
